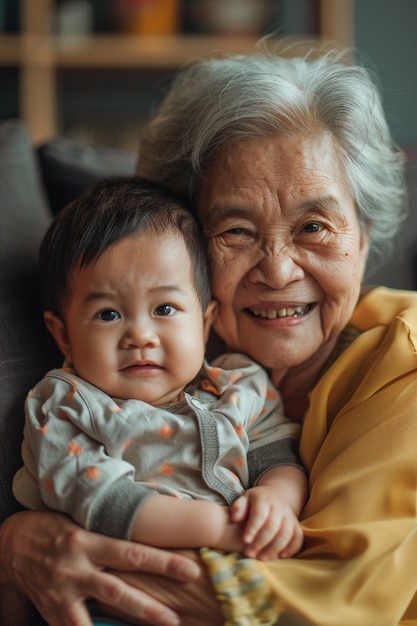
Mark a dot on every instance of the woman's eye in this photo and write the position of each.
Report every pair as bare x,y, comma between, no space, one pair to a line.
108,315
164,310
313,227
234,231
237,237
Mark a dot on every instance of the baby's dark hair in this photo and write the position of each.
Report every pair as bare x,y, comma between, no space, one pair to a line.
103,215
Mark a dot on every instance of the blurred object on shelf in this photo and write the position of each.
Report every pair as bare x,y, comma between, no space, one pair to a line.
103,16
74,17
91,111
231,17
147,17
251,17
300,17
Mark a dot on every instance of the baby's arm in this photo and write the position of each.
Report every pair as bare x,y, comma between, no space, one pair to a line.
263,522
168,522
270,513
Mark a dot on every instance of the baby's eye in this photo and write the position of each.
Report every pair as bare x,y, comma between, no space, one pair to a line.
108,315
163,310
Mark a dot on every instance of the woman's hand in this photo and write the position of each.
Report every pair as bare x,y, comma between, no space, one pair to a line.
195,601
57,565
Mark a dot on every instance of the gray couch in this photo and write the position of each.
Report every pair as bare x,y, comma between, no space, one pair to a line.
34,184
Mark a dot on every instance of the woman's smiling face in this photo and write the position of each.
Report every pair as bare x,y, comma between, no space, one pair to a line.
286,250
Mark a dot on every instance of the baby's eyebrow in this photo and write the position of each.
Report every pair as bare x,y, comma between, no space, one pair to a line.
167,288
167,294
96,295
95,298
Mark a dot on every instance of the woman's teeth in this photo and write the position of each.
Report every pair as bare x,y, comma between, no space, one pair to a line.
272,314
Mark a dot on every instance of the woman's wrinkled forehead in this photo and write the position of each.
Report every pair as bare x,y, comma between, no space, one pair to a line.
285,170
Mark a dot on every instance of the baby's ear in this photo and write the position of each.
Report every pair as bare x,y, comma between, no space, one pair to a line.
209,317
58,331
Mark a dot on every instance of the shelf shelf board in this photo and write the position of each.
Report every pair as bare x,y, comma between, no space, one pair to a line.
142,52
151,52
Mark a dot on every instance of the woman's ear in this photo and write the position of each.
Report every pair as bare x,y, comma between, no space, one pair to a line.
209,317
59,332
364,251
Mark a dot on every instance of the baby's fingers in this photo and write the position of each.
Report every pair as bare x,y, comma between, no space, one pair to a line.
294,545
259,528
239,509
286,542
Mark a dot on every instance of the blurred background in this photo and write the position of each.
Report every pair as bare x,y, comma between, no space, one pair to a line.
95,69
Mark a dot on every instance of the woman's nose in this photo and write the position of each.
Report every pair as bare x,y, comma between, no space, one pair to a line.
278,266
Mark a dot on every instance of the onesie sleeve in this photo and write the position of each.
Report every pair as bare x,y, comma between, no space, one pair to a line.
272,437
66,454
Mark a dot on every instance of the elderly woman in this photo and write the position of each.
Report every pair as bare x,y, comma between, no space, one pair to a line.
295,180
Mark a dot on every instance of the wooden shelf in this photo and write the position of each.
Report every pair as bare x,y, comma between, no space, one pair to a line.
118,51
146,51
159,52
38,54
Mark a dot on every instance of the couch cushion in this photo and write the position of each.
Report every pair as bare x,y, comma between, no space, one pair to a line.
26,351
68,167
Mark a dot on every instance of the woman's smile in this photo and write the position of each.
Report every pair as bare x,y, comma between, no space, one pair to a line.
280,313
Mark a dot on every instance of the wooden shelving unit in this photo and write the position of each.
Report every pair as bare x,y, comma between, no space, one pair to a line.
38,54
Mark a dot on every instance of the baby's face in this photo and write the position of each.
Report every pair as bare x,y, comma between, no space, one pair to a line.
134,322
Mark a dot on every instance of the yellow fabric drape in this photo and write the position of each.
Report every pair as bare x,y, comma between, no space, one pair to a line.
359,444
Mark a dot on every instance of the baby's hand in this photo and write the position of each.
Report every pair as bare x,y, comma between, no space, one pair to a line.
271,530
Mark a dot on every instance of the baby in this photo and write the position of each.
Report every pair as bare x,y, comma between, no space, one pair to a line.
138,436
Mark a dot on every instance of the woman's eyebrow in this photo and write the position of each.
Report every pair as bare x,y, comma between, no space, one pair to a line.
217,213
321,202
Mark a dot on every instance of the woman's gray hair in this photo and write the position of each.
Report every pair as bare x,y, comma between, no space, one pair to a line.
214,103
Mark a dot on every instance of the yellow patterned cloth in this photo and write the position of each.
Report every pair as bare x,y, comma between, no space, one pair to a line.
244,594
